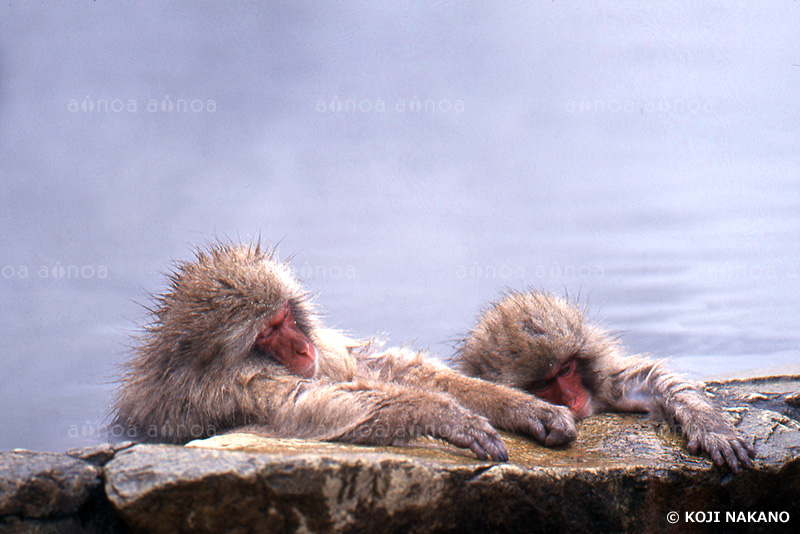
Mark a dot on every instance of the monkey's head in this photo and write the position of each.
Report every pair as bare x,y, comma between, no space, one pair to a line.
230,308
539,343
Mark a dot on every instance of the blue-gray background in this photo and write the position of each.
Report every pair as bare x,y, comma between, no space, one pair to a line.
416,159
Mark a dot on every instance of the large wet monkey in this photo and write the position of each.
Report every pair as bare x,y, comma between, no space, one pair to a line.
234,342
542,344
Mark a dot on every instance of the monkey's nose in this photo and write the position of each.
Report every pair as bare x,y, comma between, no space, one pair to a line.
301,346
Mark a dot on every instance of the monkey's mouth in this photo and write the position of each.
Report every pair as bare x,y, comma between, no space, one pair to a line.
579,403
302,364
582,408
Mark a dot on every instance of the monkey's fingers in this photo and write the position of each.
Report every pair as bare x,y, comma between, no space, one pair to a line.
560,427
559,436
537,430
549,425
562,430
489,445
730,458
745,452
716,455
483,440
492,448
735,452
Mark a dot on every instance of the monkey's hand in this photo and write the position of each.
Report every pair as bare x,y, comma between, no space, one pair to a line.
549,424
474,432
707,430
724,444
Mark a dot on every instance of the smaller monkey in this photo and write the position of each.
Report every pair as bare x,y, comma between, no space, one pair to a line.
235,343
542,344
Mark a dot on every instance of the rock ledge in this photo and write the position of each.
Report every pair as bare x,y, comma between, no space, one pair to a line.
622,474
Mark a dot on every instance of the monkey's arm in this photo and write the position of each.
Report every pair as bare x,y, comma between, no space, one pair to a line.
370,413
637,383
505,407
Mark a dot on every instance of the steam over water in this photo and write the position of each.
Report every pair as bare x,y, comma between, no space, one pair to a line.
414,160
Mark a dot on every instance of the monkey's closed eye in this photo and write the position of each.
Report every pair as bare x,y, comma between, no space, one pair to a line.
266,332
539,385
567,369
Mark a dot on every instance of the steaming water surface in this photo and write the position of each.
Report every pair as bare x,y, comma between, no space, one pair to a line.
414,161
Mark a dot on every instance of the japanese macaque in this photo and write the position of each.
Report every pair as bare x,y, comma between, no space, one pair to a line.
234,343
542,345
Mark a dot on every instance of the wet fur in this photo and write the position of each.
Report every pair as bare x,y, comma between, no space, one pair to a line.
522,337
195,372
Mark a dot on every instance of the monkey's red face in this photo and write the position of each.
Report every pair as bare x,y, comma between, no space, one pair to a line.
283,340
563,386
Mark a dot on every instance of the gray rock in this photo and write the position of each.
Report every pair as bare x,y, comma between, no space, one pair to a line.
54,493
99,454
38,485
